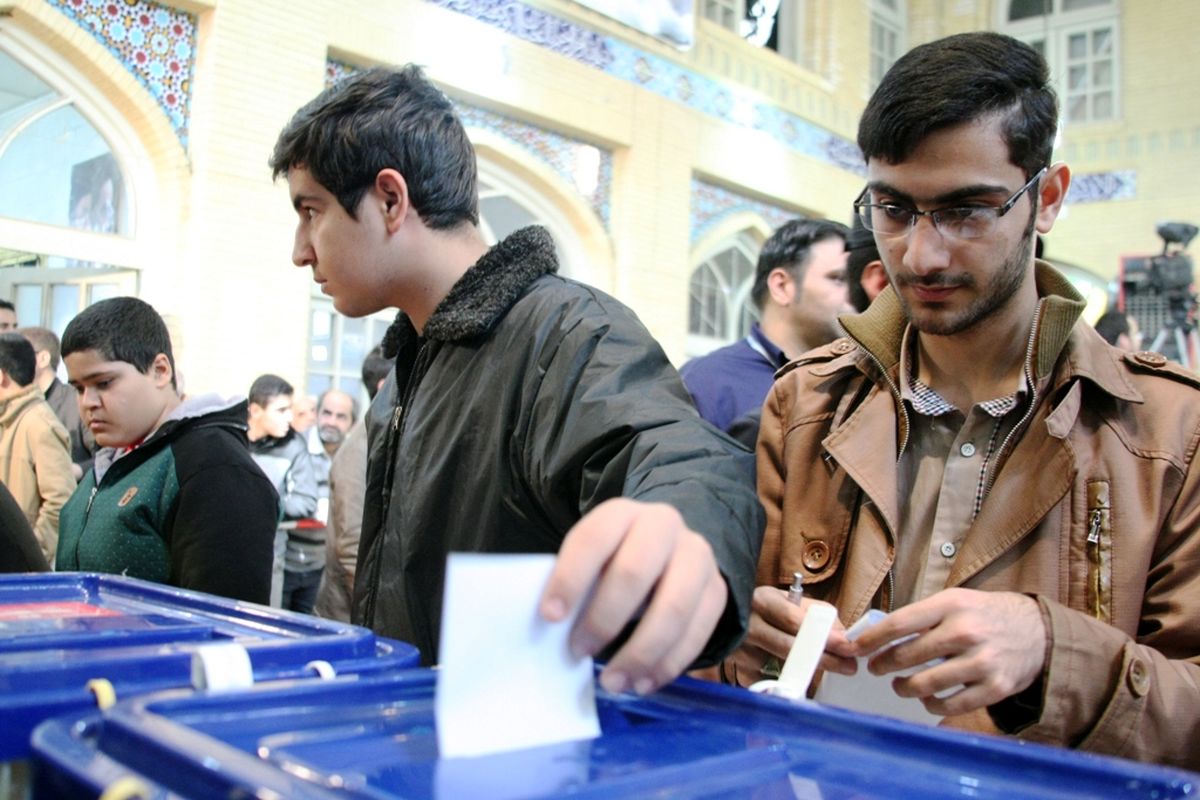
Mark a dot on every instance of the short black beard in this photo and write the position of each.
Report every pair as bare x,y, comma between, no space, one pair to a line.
1005,284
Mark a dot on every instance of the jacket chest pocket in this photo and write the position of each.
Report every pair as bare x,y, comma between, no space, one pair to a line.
1098,546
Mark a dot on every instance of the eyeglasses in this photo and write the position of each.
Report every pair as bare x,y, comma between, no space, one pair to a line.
962,222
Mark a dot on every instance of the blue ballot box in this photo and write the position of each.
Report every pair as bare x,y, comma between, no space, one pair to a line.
71,641
374,738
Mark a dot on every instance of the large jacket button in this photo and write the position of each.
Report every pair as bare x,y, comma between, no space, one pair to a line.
1150,358
842,346
816,556
1138,677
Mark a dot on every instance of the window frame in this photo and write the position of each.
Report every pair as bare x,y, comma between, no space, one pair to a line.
891,17
1054,30
735,10
739,305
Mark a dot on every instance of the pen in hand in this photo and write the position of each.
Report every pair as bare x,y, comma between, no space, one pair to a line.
772,666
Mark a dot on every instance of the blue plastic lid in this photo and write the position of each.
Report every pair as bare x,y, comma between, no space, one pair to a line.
58,631
375,738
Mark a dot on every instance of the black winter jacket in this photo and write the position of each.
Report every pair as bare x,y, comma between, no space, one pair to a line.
529,400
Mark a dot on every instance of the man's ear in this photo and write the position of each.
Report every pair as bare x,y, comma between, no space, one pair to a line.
781,286
1052,193
874,278
390,192
160,371
42,359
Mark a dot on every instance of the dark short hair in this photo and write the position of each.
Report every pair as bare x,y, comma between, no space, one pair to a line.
960,79
17,358
378,119
788,249
1111,325
860,251
353,402
7,305
120,329
267,387
374,369
43,339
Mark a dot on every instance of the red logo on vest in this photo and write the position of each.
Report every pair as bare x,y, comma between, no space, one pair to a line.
125,498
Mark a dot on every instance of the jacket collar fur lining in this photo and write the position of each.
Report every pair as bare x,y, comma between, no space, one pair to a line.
484,293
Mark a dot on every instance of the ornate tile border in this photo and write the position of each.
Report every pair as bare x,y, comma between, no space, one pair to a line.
1097,187
538,27
663,77
156,44
710,204
585,167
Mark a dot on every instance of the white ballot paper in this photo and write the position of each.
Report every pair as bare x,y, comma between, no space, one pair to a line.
507,679
872,694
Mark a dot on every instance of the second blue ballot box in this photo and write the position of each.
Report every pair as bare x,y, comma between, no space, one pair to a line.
375,738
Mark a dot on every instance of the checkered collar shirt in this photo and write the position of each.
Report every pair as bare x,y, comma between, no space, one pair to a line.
943,474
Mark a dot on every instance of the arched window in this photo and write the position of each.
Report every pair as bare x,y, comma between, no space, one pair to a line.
66,206
719,306
1079,39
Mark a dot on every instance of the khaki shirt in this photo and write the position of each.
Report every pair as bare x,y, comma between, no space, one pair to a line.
942,476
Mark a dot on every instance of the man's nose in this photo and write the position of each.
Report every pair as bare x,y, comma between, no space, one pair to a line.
925,249
302,251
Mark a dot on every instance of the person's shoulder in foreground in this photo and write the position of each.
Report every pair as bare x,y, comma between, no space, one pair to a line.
389,218
19,548
173,495
1054,600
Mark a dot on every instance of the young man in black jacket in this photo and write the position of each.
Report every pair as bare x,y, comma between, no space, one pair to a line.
527,412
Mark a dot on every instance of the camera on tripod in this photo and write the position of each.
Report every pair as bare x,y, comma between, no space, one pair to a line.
1168,274
1158,292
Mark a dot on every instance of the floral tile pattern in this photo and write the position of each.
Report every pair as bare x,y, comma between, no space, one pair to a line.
663,77
585,167
711,204
1101,186
156,44
539,27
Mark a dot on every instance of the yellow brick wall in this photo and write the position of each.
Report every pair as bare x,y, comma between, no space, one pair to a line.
218,260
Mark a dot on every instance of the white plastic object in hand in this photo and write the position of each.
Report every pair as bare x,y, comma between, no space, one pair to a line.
802,660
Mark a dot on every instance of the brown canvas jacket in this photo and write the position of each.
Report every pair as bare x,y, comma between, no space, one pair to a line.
1094,511
347,493
35,462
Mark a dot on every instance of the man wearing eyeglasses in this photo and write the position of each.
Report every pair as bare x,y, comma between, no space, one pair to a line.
1019,495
